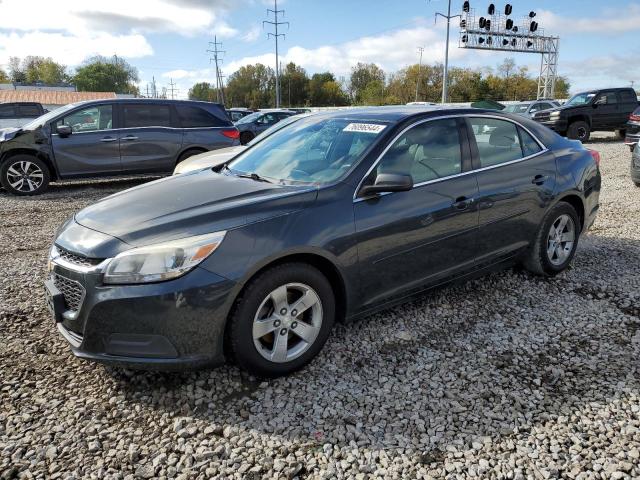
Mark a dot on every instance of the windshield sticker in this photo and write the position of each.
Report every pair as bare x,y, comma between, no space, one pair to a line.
364,128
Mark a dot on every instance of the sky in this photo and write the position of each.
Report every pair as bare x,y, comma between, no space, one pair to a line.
167,39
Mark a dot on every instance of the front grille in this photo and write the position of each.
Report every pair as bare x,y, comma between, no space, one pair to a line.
77,259
72,291
542,117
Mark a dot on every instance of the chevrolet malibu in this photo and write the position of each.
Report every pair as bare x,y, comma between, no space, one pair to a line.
330,219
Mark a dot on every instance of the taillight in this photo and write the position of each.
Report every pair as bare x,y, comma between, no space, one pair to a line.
233,133
634,118
596,156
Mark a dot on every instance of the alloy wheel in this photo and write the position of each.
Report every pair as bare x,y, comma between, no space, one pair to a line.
25,176
287,322
560,240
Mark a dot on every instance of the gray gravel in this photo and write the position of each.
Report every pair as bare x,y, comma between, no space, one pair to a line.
508,376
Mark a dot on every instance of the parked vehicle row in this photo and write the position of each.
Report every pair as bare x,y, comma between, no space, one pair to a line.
254,124
330,218
529,108
596,110
110,137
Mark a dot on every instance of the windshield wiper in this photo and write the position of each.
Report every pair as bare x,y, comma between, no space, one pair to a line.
253,176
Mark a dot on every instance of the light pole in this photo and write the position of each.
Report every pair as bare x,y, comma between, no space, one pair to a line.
445,76
420,49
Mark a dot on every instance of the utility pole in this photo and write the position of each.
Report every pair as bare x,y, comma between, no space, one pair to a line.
216,60
154,91
276,35
172,88
420,50
445,75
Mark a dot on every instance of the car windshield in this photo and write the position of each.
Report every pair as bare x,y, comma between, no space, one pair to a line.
249,118
42,119
315,150
581,98
517,108
274,128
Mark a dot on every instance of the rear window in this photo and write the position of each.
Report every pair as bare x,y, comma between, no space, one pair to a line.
147,116
7,111
195,117
30,111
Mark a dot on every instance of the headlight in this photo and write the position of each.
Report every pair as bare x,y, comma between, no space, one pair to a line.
554,114
163,261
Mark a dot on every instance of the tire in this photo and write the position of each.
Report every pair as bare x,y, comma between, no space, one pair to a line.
621,134
246,137
24,175
538,259
189,153
264,297
637,184
579,131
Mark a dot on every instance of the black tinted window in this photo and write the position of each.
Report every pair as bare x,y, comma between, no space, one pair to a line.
498,141
30,111
428,151
627,96
7,111
192,117
529,145
147,116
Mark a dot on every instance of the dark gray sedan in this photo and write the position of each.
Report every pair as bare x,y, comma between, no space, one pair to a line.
253,125
333,218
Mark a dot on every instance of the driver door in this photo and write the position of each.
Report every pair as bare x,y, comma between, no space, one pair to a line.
606,112
94,146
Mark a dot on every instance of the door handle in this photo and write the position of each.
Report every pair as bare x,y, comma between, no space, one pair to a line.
462,203
129,138
539,179
108,139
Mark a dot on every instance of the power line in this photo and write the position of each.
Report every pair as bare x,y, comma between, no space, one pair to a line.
276,35
420,50
172,89
216,52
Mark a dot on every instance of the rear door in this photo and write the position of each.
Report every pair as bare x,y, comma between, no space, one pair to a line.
151,137
605,115
93,147
628,104
407,240
516,180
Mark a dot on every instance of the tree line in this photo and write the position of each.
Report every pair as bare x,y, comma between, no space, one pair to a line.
253,86
97,74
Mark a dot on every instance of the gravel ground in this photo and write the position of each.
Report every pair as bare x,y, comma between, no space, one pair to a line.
508,376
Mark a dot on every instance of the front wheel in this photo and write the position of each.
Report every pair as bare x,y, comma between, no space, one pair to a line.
24,175
579,131
556,242
246,137
282,320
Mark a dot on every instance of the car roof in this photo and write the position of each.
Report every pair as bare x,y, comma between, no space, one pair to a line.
396,113
147,100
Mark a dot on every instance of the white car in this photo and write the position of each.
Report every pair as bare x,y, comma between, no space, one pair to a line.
219,157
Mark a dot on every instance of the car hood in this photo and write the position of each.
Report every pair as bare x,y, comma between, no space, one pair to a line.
191,204
208,159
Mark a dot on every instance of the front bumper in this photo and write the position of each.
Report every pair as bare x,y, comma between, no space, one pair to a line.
173,325
557,125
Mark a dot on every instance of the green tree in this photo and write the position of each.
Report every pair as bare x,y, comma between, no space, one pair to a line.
294,86
562,87
45,70
251,86
100,74
361,76
325,91
203,91
16,72
4,78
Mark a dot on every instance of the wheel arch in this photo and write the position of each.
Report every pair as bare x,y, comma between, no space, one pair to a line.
191,148
579,117
577,203
53,174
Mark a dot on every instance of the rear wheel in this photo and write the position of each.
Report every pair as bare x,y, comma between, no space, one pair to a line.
24,175
556,241
579,130
637,184
246,137
621,134
189,153
282,320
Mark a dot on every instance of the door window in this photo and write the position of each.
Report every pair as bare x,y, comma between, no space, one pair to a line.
628,96
90,119
529,145
608,98
30,111
7,111
147,116
267,119
194,117
428,151
498,141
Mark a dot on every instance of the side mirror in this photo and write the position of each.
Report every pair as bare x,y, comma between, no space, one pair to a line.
388,182
64,131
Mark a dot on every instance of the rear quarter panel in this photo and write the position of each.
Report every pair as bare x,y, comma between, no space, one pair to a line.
206,138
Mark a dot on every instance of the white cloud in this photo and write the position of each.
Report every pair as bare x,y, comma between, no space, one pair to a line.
252,35
624,19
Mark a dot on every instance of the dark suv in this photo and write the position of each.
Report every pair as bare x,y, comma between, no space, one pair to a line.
606,110
110,137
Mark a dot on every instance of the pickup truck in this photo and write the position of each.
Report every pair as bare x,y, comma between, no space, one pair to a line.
596,110
16,114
